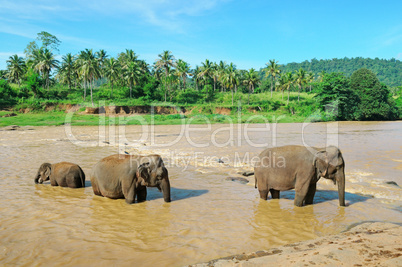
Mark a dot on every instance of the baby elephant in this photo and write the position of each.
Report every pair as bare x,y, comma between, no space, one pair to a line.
63,174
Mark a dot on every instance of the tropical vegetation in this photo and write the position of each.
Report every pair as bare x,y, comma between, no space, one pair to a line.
357,89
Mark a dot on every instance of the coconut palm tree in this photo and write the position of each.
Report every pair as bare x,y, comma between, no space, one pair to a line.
132,74
251,80
221,69
288,83
102,56
300,80
197,78
44,61
89,69
16,68
183,71
206,71
112,71
166,61
66,70
273,70
3,74
231,79
310,79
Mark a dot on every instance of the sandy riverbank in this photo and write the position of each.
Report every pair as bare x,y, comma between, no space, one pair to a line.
368,244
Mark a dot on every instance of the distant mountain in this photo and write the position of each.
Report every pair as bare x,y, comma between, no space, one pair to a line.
387,71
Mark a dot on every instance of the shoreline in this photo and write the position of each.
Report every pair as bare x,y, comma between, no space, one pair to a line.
365,244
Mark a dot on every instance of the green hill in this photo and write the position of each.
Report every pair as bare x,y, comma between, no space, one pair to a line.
387,71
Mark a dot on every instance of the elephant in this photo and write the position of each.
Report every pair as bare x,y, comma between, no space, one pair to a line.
298,167
128,176
65,174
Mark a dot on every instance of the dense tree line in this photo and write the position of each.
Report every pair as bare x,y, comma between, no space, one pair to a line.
173,80
387,71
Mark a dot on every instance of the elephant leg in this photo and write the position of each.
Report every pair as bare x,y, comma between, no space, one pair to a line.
274,193
95,187
300,195
128,188
141,194
263,194
311,193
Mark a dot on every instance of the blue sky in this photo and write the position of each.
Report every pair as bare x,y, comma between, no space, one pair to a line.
247,33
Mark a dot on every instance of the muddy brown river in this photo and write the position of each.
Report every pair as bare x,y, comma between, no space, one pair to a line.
209,216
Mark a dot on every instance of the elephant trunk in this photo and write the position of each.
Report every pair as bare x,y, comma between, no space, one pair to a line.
37,178
340,179
165,186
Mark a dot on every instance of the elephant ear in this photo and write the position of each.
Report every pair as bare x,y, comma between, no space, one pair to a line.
320,161
143,172
48,171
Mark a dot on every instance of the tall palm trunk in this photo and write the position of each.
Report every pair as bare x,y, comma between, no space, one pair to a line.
91,85
272,84
298,96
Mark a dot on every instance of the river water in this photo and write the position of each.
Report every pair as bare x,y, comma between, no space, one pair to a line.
209,216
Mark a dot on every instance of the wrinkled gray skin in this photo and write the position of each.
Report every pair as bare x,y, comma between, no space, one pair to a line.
296,167
127,176
63,174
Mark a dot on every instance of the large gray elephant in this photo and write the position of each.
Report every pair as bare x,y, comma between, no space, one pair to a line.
127,176
65,174
300,168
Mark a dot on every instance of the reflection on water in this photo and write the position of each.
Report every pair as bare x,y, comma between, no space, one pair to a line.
209,216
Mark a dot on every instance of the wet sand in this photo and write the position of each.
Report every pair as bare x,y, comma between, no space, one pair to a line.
367,244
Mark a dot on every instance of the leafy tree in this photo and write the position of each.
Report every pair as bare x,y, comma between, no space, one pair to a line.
374,97
33,82
49,41
16,68
335,95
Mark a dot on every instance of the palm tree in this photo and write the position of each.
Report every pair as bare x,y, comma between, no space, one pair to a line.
222,68
101,55
112,71
3,74
231,79
300,80
66,71
197,78
288,82
89,69
310,79
44,61
166,60
272,70
206,71
132,74
183,70
16,68
251,80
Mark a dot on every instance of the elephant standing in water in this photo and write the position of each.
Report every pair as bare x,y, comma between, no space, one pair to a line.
299,168
127,176
63,174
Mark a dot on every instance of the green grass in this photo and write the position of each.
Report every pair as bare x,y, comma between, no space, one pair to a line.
262,109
